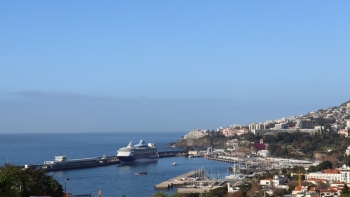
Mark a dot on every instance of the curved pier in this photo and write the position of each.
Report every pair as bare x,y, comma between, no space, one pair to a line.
179,180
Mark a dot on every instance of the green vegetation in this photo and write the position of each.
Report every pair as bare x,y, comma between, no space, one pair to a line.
322,145
216,139
16,182
302,145
345,191
324,121
218,192
321,166
161,194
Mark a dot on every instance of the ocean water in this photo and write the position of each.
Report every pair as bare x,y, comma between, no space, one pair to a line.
113,180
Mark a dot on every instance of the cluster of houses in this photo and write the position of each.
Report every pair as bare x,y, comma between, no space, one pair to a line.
333,181
303,123
327,183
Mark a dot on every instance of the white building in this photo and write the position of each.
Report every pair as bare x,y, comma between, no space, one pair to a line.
347,152
344,132
264,153
195,134
345,174
319,128
332,175
347,124
278,182
280,126
256,126
282,120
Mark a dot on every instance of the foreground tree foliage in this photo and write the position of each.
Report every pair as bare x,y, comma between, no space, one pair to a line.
162,194
345,191
18,182
218,192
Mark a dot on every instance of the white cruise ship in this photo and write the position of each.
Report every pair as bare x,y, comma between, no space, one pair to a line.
140,152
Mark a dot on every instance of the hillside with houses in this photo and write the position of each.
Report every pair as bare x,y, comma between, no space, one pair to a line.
316,135
299,156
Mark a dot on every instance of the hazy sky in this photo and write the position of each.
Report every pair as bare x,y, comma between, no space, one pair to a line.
110,66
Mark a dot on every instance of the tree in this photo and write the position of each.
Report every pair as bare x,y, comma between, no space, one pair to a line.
218,192
279,192
272,148
324,165
176,195
345,189
235,194
16,182
161,194
245,187
269,139
333,159
254,187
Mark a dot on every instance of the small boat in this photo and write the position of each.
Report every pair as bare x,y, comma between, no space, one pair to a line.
174,164
143,172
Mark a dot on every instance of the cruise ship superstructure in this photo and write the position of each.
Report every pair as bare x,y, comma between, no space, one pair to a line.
139,153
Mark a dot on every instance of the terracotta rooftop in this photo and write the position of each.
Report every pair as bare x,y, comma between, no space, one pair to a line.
298,188
315,179
331,171
328,190
312,189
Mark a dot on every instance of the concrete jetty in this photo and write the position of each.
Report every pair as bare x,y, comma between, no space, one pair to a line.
179,180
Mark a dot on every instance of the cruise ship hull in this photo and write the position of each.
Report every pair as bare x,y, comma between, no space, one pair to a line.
132,159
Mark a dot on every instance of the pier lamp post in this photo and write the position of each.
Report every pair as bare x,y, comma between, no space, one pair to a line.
65,186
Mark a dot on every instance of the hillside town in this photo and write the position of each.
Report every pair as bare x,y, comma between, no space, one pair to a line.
326,182
335,119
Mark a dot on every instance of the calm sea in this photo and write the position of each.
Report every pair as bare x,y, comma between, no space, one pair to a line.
114,180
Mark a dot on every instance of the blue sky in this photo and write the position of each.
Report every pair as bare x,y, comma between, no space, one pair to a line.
91,66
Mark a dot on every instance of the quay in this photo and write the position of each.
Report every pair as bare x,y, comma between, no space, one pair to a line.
222,159
171,154
191,182
258,164
61,163
181,180
236,160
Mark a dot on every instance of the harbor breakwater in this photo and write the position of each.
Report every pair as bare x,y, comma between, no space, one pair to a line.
90,162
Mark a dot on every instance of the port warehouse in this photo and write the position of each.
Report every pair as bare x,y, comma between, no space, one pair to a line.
61,162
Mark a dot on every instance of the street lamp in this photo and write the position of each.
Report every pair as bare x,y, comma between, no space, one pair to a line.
65,188
264,188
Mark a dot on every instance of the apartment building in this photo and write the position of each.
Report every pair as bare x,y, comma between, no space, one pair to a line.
256,126
332,175
195,134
